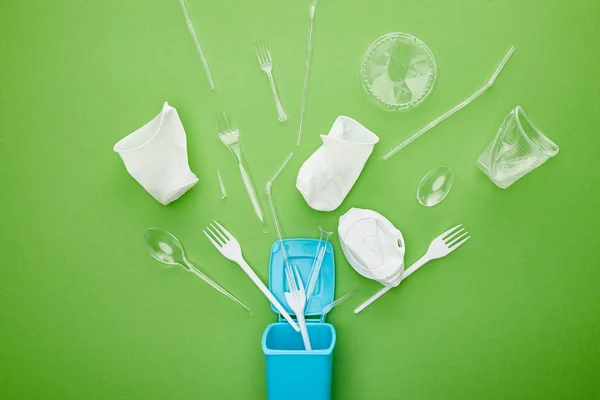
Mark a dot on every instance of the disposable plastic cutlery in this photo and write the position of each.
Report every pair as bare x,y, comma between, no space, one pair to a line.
296,299
231,139
266,64
440,247
231,249
165,247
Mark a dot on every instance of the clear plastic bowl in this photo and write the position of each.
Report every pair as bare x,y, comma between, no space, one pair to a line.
398,71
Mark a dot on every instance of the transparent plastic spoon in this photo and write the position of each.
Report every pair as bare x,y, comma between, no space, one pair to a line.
165,247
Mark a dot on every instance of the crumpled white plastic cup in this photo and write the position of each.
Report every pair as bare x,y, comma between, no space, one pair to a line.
326,177
156,156
372,245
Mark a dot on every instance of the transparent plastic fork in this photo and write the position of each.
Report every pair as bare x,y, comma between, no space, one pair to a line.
266,64
231,139
440,247
230,248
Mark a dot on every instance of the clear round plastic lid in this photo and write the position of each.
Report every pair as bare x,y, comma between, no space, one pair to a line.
398,71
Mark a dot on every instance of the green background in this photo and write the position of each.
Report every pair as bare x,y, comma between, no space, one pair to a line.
85,313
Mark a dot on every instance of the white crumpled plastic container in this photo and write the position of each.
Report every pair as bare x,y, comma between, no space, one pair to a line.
372,245
156,156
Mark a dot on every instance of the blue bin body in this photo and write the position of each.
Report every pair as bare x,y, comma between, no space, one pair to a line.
294,373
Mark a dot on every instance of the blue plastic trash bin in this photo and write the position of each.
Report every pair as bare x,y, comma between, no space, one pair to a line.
292,372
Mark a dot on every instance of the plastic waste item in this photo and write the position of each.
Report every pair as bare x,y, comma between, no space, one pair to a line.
296,299
336,303
435,186
268,190
266,64
440,247
221,186
156,156
231,139
518,148
230,248
317,263
167,249
326,177
190,26
398,71
456,108
311,29
372,245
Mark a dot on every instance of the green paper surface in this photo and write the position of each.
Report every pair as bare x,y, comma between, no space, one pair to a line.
85,313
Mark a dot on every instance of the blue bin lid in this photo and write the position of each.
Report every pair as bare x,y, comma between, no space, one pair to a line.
301,253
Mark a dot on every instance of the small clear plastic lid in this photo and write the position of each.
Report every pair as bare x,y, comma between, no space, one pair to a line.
398,71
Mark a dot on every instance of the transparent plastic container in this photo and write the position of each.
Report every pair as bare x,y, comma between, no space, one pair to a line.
518,148
398,71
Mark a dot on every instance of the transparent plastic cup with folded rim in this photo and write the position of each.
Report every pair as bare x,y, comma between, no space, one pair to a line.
518,148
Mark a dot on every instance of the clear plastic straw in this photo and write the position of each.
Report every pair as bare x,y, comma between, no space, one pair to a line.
190,26
317,263
453,110
272,206
311,29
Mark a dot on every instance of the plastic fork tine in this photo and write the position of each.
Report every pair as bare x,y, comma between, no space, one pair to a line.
456,238
217,120
216,237
218,233
455,235
218,246
268,53
258,53
443,235
226,233
221,122
263,52
457,245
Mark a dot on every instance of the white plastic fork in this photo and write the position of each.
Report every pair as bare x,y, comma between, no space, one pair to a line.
440,247
266,64
231,249
296,299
